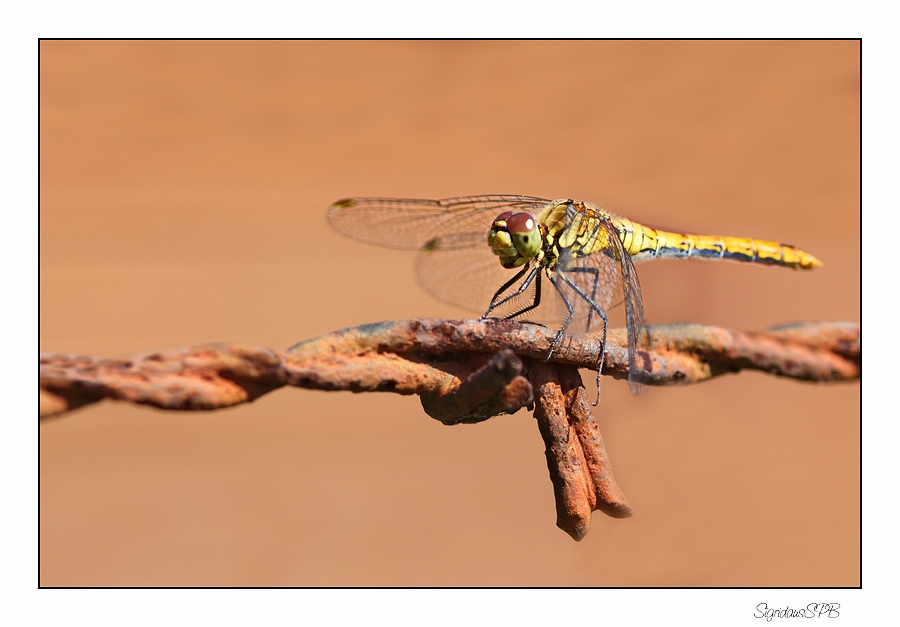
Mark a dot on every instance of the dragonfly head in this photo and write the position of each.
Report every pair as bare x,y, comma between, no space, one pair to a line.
515,238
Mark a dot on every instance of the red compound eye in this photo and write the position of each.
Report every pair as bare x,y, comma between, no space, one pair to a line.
503,216
520,223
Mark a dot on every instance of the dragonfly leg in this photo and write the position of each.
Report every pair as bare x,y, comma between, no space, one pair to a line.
559,335
594,307
535,272
602,355
537,297
593,298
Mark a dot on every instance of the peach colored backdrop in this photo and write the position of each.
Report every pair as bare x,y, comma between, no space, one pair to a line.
183,195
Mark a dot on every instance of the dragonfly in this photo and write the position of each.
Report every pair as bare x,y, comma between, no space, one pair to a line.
496,249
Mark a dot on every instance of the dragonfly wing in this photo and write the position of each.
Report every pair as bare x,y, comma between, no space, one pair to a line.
638,335
461,270
412,223
608,278
597,276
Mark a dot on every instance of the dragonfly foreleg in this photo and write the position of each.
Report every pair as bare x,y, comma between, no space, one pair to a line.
535,272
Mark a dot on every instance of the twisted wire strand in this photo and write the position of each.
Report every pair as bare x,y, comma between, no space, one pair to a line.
464,371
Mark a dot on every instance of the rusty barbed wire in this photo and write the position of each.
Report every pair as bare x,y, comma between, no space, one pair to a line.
464,371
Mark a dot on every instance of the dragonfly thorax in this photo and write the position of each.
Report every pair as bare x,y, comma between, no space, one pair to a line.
515,238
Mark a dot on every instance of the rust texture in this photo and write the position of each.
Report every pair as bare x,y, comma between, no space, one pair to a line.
209,376
497,387
448,362
576,456
464,371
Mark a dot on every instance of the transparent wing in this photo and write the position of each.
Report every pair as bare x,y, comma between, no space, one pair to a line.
461,270
455,262
598,277
411,223
607,277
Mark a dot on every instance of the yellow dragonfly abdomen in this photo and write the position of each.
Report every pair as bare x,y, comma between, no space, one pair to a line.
584,252
642,242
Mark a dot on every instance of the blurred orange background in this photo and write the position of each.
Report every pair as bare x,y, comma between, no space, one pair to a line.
183,195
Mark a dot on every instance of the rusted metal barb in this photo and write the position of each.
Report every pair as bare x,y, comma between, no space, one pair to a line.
576,456
464,371
434,358
497,387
